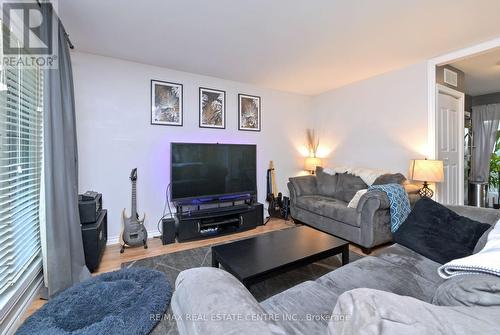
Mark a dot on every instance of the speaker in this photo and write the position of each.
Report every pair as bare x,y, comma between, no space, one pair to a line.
168,231
285,209
90,206
95,236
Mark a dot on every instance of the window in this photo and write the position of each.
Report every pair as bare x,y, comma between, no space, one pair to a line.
21,159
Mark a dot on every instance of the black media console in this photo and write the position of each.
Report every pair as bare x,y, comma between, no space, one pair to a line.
195,222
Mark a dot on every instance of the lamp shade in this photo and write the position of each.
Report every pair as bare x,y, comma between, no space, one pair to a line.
311,163
426,170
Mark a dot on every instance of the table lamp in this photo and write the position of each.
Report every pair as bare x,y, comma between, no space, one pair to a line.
426,170
311,163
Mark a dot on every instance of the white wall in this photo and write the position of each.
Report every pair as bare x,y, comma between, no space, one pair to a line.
114,132
380,122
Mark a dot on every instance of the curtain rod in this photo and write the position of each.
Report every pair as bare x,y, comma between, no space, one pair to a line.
66,35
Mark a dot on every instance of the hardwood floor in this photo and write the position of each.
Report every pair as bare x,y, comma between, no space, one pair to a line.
112,259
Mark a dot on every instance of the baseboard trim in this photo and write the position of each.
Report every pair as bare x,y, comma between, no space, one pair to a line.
116,239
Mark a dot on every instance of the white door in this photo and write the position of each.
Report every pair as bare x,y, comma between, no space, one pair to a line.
450,125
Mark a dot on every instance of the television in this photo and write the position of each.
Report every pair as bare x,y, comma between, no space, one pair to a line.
212,172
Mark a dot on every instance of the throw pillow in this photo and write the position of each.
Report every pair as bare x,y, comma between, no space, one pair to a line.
469,290
486,215
347,186
438,233
354,202
485,261
390,178
366,174
326,183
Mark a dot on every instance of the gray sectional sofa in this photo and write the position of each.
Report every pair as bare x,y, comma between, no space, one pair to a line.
396,291
321,200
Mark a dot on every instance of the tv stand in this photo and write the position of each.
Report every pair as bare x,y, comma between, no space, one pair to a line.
197,222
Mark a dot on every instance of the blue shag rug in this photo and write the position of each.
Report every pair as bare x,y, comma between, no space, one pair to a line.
120,302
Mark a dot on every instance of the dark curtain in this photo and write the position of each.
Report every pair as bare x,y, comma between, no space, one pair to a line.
64,257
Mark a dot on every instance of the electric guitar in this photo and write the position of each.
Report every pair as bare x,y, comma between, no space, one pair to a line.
133,231
275,200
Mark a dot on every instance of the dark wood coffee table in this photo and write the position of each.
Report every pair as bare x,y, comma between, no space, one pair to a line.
257,258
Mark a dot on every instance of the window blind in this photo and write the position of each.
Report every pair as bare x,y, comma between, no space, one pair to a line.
21,158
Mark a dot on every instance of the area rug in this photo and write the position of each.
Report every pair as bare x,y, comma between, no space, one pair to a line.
119,302
173,263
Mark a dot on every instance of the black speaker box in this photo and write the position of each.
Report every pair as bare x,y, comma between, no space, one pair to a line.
168,231
90,206
95,236
285,210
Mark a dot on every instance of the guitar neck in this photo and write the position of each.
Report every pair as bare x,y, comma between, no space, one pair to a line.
134,198
273,179
273,183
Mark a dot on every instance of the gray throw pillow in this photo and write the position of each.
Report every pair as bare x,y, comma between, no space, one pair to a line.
390,178
469,290
347,186
326,183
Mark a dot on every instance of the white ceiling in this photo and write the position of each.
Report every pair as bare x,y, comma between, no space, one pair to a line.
482,73
303,46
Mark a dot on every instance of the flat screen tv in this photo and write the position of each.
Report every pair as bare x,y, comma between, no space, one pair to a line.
209,172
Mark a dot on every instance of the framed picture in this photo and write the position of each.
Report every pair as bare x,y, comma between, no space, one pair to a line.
166,103
212,108
248,112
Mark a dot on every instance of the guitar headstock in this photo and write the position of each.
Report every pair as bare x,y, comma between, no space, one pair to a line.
133,174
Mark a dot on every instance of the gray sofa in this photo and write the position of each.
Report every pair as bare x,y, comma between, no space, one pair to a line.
396,291
321,200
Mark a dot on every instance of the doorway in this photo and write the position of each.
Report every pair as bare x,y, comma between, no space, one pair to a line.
467,130
450,125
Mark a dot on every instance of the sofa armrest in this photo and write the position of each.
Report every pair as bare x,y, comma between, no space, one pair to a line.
375,226
374,199
303,185
211,301
369,311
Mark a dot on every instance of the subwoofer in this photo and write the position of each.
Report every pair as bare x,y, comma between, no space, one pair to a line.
168,231
95,236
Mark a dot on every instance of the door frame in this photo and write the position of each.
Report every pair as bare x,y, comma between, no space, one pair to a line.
432,133
460,143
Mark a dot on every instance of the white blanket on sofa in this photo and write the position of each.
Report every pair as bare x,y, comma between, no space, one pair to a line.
367,175
485,261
